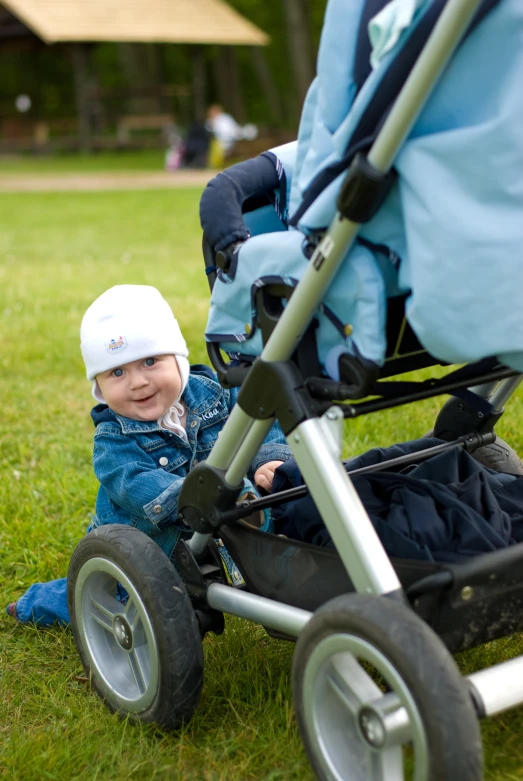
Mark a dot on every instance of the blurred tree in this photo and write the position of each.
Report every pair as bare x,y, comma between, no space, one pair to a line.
142,68
228,82
286,67
298,36
265,85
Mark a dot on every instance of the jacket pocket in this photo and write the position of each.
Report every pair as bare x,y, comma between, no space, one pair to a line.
165,457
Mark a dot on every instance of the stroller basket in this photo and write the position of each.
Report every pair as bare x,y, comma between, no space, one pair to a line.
466,604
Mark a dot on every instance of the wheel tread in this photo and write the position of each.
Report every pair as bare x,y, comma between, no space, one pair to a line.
427,668
171,614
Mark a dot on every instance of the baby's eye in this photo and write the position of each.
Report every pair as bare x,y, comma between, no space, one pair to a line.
150,361
117,372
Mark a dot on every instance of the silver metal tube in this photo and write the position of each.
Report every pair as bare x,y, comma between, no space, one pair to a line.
486,390
499,687
344,515
311,290
446,35
230,438
241,462
247,450
261,610
504,391
198,542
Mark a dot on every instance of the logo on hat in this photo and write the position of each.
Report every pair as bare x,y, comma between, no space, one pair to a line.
116,345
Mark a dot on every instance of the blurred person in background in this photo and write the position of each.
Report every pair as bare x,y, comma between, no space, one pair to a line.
225,132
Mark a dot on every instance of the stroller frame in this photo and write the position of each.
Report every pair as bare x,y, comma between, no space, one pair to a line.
376,624
316,442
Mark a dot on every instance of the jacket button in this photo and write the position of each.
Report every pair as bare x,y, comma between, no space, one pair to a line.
164,461
194,423
157,508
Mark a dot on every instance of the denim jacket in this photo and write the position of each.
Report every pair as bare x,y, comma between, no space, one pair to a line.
141,467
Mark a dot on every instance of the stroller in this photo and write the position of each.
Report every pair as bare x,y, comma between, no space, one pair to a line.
376,691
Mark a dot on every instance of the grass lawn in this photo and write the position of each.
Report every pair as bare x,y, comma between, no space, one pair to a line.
138,160
57,253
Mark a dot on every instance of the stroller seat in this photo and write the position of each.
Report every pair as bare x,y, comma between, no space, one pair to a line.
448,234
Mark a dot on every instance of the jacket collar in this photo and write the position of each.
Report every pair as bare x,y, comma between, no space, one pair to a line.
201,394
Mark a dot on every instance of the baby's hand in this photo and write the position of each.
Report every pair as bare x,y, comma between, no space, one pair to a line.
263,476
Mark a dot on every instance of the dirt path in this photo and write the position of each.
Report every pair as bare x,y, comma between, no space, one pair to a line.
89,182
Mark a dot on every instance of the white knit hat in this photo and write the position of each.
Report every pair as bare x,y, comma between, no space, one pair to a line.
126,323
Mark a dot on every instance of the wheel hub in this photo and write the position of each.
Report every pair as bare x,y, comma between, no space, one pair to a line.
123,632
372,728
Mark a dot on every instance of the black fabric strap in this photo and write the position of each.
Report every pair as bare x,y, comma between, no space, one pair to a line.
362,66
390,389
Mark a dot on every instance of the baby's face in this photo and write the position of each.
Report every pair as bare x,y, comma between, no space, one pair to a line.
142,390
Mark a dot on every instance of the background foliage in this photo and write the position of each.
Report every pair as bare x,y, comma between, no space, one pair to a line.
45,73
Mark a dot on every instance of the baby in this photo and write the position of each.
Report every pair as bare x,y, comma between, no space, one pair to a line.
156,418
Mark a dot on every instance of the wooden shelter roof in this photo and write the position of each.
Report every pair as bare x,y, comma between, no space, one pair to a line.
139,21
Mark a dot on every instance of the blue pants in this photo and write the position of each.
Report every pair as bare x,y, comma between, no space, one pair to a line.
44,604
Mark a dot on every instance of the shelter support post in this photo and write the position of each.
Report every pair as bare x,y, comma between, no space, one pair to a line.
79,58
199,83
228,79
267,83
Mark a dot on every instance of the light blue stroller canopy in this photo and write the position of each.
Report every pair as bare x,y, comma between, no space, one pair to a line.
450,233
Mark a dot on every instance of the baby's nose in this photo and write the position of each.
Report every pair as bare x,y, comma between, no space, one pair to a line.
138,380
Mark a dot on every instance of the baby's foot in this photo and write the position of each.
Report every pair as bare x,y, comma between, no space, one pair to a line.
11,610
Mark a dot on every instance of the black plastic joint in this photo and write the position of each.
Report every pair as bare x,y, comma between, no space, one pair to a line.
457,418
358,374
228,376
364,190
205,493
276,389
224,257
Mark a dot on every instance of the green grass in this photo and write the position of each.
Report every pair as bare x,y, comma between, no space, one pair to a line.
57,253
139,160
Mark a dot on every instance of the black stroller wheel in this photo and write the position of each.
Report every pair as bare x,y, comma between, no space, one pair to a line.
379,698
134,626
500,457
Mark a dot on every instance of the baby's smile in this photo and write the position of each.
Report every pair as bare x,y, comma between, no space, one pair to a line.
145,399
